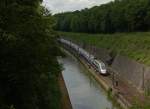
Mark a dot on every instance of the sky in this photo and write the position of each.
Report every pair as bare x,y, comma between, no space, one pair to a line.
57,6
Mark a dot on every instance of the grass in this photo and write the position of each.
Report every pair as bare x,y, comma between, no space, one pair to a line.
134,45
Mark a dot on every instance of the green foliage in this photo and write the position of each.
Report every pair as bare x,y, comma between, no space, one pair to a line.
145,105
128,44
116,16
28,50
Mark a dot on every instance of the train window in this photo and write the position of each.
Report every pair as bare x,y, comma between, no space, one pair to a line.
96,64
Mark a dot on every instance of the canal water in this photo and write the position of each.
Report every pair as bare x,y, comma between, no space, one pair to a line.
84,91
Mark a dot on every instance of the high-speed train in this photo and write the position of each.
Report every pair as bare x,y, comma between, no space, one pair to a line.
99,66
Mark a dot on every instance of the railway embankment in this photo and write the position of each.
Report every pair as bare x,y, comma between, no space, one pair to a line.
124,83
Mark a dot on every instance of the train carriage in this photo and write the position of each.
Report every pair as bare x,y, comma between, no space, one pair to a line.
97,64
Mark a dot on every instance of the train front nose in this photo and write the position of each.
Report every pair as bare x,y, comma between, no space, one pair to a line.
103,71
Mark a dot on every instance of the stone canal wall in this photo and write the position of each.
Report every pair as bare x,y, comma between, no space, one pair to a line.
65,99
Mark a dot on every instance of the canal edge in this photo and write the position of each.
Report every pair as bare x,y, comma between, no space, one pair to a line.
65,99
119,100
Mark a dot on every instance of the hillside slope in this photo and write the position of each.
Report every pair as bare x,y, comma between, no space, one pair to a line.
134,45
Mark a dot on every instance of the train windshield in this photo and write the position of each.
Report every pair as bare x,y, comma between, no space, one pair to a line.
103,66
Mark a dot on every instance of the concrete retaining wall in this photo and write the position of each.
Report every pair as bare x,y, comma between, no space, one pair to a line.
132,71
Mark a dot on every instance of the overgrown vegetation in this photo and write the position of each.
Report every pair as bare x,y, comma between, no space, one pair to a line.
133,45
113,98
115,16
145,105
28,65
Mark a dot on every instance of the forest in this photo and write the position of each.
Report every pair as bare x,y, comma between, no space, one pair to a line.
115,16
28,49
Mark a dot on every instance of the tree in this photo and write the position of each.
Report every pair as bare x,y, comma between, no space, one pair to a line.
117,16
28,50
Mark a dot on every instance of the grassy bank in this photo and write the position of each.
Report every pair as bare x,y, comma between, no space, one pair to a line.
134,45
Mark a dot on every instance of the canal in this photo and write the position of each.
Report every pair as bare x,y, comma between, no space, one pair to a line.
84,91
